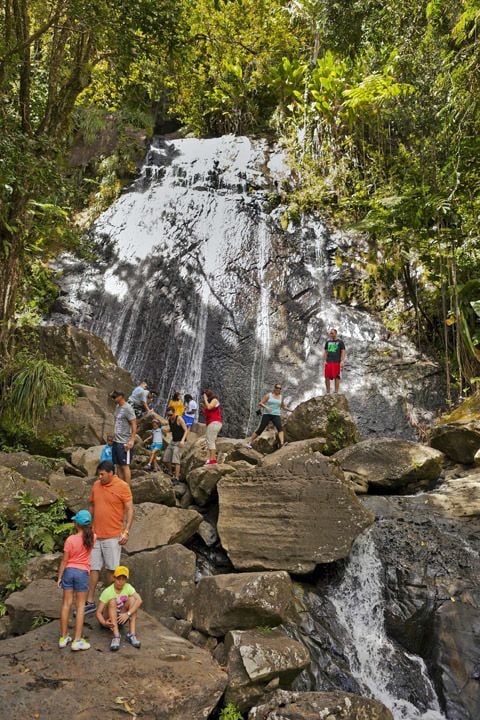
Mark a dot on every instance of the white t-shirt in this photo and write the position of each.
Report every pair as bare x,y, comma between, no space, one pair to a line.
192,408
157,435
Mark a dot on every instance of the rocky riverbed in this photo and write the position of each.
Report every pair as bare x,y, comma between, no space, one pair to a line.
334,576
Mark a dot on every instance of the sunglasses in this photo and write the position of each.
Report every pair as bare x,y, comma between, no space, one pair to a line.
278,387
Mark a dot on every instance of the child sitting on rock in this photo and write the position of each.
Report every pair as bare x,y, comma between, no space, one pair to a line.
118,605
156,445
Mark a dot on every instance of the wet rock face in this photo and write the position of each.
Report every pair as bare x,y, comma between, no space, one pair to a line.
432,581
247,600
290,516
197,235
311,706
168,678
390,464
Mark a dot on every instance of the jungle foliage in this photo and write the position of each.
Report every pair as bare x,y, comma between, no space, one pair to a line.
378,104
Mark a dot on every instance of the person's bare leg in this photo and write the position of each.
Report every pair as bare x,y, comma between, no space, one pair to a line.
112,616
281,437
109,574
80,604
65,611
213,453
92,584
133,621
177,471
337,384
327,385
124,473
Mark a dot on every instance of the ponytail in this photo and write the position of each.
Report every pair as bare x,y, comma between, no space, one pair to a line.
87,531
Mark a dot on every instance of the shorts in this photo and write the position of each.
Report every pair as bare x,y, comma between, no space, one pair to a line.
156,446
75,579
120,456
211,435
188,420
276,420
332,370
106,554
173,453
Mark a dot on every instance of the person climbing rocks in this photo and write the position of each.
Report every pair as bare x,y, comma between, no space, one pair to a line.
191,408
210,407
156,446
272,404
111,507
173,454
118,605
177,404
125,429
334,356
139,399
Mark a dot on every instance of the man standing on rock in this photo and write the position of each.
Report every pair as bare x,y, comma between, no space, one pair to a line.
139,399
124,435
111,507
334,356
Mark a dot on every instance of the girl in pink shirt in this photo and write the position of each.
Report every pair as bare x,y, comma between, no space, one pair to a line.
73,575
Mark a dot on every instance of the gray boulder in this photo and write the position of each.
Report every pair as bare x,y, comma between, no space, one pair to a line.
165,578
157,525
26,465
458,434
87,458
12,483
294,449
327,416
291,516
39,602
41,567
242,601
391,464
457,497
203,480
167,679
75,491
256,657
153,487
336,705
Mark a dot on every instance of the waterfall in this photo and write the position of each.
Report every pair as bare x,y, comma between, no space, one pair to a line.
374,661
202,278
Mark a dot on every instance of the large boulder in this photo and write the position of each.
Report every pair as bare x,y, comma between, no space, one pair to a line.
157,525
256,657
167,679
291,516
75,491
26,465
390,464
458,433
12,483
39,602
294,449
327,416
203,480
196,454
87,459
85,423
41,567
242,601
457,497
152,487
165,578
336,705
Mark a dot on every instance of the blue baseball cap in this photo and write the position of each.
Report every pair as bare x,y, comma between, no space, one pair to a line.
82,517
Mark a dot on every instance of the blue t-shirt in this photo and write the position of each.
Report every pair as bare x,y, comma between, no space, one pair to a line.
106,453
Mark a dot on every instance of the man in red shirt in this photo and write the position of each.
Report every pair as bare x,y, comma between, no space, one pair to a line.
111,506
334,356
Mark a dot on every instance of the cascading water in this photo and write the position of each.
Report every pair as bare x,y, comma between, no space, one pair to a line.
382,670
202,280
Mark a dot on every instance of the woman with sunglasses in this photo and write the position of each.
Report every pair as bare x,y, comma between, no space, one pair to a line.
272,404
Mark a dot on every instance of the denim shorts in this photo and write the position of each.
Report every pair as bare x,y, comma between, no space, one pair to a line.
75,579
121,456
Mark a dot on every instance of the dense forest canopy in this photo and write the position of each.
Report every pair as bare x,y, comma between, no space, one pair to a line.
376,102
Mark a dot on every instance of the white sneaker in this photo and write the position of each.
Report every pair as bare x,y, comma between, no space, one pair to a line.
63,641
80,645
